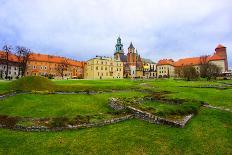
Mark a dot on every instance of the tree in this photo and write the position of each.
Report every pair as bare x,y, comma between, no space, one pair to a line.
203,66
212,71
178,71
23,55
62,67
207,69
1,74
7,50
187,72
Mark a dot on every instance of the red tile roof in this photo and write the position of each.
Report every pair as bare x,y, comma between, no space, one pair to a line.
187,61
44,58
215,57
12,57
191,61
165,62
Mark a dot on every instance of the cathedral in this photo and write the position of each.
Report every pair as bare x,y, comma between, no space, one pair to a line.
133,65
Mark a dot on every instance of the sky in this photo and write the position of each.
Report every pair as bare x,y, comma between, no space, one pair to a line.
82,29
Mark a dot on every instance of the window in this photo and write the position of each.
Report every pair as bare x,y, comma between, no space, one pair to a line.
97,68
101,68
34,67
105,68
41,67
45,67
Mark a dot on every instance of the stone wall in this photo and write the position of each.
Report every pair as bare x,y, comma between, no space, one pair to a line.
69,127
143,115
158,120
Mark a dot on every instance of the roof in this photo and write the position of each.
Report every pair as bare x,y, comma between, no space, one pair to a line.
166,62
147,61
44,58
131,46
215,57
188,61
53,59
220,46
123,57
12,57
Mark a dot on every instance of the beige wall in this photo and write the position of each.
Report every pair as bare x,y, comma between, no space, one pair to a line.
103,68
220,63
165,70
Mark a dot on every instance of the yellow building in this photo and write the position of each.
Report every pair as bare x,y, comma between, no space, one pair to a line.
103,68
165,68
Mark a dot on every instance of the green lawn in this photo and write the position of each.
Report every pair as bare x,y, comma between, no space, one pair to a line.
165,109
3,86
209,132
55,105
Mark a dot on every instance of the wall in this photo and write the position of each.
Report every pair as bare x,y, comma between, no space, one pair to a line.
103,68
165,70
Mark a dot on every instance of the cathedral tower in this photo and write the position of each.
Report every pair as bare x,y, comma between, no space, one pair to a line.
131,55
119,52
221,51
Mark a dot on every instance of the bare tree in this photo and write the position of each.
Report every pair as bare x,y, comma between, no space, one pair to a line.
207,69
178,71
23,55
212,71
7,50
189,73
62,67
203,66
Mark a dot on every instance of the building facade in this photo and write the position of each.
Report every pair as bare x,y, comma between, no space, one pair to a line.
149,69
132,62
103,68
13,66
46,65
166,67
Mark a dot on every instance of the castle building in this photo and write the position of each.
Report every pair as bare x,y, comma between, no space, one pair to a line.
149,69
43,65
103,68
166,67
13,66
132,62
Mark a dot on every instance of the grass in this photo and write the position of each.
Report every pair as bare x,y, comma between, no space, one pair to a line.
54,105
4,86
164,109
32,83
208,133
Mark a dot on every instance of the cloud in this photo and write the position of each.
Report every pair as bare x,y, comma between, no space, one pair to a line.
84,28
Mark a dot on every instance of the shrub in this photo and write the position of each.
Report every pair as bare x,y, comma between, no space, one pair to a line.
59,122
8,121
32,83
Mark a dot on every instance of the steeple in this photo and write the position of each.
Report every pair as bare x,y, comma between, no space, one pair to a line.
131,46
119,46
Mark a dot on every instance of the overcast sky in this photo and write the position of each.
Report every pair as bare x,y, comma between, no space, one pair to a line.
82,29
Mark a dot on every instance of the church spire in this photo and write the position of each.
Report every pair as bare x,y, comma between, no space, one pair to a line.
119,46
